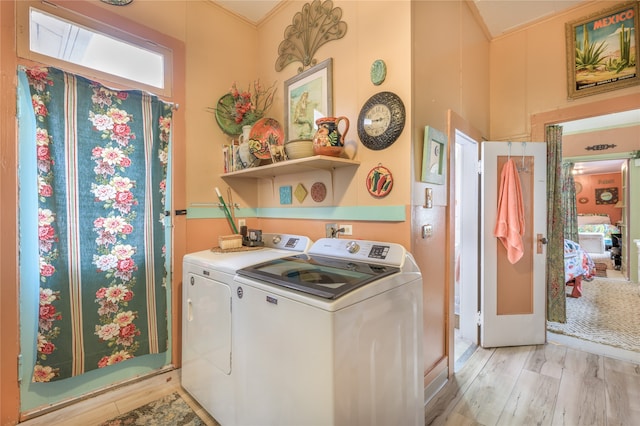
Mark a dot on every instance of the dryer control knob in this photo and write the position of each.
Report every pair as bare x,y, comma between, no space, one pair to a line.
353,247
276,239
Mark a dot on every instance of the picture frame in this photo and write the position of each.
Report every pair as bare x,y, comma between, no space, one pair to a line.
606,195
434,156
307,97
601,49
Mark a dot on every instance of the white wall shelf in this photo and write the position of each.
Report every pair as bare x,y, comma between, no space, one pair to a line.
300,165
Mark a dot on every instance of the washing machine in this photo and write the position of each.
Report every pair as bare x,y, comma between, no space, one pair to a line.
208,362
330,337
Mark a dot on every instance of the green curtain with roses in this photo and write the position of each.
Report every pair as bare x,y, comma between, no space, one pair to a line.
101,171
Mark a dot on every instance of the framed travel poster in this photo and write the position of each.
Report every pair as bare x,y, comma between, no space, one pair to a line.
603,51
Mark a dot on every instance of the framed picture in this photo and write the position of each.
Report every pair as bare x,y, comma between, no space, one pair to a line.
307,97
434,156
606,195
603,51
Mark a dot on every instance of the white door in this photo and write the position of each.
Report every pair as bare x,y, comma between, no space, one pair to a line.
467,235
513,295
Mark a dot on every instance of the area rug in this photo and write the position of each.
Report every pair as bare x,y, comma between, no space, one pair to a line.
170,410
608,313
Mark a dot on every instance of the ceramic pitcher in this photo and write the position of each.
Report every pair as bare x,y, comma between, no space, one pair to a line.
329,140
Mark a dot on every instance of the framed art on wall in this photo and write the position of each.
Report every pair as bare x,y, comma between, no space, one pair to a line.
434,156
307,97
606,195
602,51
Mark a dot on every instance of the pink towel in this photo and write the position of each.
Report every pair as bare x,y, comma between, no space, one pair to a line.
510,221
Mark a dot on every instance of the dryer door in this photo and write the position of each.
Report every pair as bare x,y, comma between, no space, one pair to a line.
207,317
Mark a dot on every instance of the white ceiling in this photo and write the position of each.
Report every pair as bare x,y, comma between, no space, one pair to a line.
499,16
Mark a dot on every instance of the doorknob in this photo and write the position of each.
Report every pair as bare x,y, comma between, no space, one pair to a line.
540,241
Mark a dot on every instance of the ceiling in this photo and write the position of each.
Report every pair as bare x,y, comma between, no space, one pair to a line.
499,16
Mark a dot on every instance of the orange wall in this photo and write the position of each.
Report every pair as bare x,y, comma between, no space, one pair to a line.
589,185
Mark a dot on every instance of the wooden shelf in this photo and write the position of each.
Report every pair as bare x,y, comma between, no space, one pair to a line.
300,165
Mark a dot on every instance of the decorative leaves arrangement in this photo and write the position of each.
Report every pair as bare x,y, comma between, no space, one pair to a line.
318,23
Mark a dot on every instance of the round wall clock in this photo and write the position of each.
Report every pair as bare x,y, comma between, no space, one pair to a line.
578,186
381,120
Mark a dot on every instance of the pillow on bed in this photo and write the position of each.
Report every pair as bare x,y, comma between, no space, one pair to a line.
593,219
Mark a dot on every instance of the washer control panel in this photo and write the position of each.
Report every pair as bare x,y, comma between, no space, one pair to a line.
362,250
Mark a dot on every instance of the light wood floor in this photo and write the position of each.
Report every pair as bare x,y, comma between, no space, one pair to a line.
530,385
539,385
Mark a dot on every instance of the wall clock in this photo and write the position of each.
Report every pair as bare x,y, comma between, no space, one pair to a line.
578,186
381,120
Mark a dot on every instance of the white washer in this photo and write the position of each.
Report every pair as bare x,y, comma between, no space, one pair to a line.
207,325
332,337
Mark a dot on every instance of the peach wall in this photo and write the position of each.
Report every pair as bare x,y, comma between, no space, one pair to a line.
626,139
450,72
528,74
589,185
352,58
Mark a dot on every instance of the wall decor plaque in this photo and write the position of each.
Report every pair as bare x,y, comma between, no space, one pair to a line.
606,195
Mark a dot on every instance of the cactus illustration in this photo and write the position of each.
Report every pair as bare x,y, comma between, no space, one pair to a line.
588,56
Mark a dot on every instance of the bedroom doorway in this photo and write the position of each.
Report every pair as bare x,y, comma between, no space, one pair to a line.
601,191
608,131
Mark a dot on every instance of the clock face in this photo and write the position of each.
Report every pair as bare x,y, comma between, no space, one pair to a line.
381,120
377,120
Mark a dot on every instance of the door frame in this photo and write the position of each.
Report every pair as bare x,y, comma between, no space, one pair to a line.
455,123
540,121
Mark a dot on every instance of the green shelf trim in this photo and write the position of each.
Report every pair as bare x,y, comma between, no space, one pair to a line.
365,213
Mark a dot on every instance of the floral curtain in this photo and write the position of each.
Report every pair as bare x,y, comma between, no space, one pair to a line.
102,164
556,309
569,205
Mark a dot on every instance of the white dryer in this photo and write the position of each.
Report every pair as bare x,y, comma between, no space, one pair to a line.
207,321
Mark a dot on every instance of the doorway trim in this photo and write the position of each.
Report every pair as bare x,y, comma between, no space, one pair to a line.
454,123
608,106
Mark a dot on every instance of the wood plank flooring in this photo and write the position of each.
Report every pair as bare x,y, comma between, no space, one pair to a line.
547,384
539,385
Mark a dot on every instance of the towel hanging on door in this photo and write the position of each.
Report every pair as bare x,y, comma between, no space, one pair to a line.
510,217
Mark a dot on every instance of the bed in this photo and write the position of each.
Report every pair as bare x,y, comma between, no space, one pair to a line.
594,232
578,265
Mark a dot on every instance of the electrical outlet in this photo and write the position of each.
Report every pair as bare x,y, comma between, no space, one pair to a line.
242,222
348,229
329,229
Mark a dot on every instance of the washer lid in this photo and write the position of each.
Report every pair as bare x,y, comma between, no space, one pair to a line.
325,277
